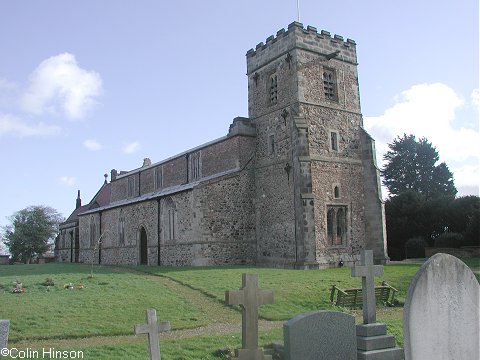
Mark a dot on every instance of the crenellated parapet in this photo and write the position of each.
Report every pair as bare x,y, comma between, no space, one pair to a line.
298,37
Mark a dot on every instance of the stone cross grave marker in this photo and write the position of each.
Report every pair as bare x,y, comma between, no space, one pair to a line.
320,335
367,271
441,315
250,297
152,328
4,325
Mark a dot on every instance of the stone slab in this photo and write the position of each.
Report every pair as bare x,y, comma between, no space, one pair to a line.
441,313
320,335
384,354
375,342
4,326
251,354
375,329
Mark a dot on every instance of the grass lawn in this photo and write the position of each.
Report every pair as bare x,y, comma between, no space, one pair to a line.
295,292
99,318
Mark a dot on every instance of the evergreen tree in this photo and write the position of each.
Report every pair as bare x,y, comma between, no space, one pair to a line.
30,232
411,166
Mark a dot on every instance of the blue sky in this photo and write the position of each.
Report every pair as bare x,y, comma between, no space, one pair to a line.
87,86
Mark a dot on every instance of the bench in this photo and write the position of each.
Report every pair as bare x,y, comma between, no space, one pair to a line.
352,298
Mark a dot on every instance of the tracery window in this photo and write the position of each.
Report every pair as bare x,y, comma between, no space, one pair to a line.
336,225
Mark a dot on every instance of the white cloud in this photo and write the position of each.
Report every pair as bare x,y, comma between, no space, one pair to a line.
12,125
92,145
58,85
131,147
475,98
67,180
428,110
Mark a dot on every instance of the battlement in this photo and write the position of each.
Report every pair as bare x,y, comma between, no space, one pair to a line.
296,36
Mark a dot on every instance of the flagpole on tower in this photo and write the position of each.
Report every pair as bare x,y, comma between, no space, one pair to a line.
298,10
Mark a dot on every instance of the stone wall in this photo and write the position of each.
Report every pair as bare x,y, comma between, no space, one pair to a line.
213,225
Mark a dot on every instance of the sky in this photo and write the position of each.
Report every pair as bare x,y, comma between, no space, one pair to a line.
88,86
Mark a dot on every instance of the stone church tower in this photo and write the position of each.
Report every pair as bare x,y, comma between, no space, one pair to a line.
318,198
293,185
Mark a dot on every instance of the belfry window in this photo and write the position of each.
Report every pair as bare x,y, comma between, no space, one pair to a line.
336,225
273,89
329,85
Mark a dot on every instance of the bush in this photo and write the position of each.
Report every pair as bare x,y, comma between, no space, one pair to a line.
415,247
449,240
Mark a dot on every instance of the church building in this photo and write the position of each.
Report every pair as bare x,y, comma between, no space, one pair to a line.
294,185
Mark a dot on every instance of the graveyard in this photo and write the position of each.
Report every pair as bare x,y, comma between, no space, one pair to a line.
63,307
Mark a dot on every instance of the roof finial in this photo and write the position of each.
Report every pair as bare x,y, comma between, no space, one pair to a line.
105,176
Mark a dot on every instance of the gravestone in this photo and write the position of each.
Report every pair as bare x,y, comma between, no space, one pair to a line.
4,325
250,297
320,335
367,271
373,343
441,314
152,328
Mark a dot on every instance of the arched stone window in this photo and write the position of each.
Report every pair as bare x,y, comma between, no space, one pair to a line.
169,221
336,192
336,225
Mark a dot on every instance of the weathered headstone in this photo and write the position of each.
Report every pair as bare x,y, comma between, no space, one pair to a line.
441,314
152,328
372,339
320,335
4,325
250,297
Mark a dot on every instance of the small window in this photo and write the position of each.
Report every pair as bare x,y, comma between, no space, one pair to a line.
157,177
329,85
271,144
333,140
336,192
131,186
273,89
